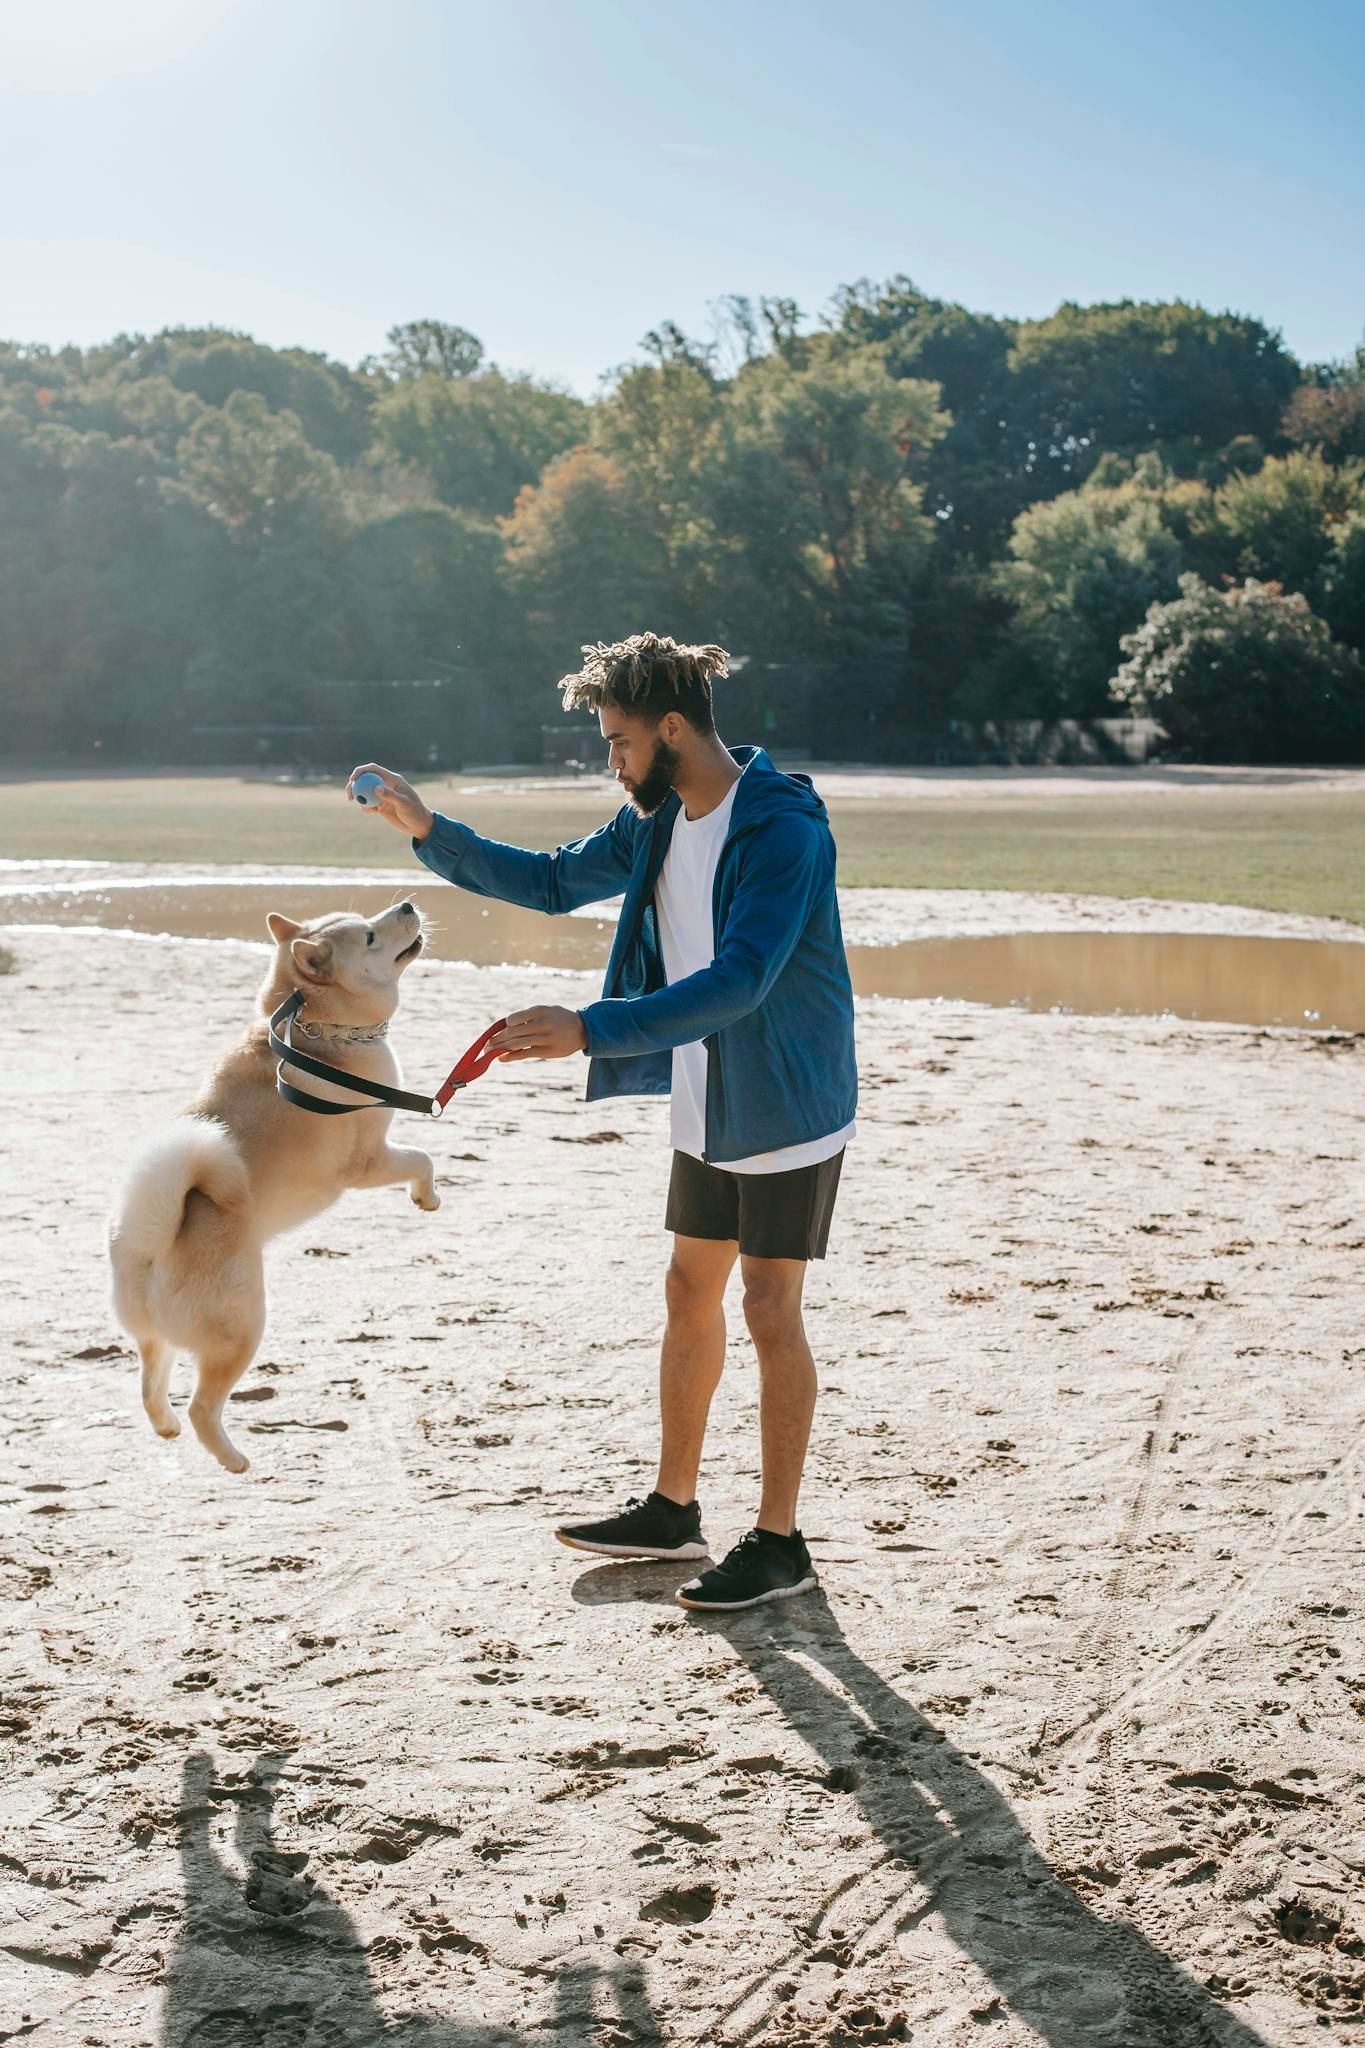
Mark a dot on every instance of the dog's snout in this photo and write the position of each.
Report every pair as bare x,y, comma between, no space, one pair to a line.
408,909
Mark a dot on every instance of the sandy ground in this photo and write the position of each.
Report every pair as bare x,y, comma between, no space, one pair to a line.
1066,1751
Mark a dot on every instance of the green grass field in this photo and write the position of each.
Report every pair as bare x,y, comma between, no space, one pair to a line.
1289,848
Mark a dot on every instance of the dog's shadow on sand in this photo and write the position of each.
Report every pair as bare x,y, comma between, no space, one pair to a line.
266,1959
971,1878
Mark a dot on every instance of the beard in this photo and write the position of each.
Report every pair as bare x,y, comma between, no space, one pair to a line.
658,779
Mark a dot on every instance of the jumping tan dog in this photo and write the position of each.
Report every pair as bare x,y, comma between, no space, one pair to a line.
242,1165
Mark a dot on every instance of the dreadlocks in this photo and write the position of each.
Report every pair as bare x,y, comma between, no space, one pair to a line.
648,674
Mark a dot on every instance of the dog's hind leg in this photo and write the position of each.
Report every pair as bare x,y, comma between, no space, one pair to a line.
157,1359
219,1372
224,1356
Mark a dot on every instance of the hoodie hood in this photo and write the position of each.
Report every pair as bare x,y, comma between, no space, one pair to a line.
763,791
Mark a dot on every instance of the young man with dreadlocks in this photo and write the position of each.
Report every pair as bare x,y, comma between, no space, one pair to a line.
728,988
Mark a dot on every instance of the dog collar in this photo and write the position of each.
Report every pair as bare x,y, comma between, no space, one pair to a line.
342,1034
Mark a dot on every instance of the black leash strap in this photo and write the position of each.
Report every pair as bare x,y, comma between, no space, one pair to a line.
381,1095
477,1060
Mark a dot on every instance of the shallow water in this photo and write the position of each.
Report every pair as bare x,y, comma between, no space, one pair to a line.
1313,983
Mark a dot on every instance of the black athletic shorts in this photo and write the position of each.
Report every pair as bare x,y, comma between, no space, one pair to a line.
773,1215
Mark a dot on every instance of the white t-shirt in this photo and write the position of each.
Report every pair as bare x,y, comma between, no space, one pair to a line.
682,899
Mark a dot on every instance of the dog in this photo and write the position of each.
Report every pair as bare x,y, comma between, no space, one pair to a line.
242,1165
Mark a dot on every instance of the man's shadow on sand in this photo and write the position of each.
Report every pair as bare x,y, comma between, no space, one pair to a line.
268,1960
1076,1979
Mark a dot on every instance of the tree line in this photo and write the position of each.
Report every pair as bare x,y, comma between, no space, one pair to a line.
1147,507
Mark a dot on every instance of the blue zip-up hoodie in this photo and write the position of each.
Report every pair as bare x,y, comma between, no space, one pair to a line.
774,1008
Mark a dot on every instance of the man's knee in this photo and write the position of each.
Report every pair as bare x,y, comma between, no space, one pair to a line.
772,1310
689,1295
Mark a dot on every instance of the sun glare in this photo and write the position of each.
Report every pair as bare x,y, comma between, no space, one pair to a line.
87,45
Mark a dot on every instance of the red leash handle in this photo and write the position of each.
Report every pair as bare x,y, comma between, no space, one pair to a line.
468,1067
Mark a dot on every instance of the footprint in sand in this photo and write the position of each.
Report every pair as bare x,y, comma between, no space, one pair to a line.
681,1905
277,1886
393,1841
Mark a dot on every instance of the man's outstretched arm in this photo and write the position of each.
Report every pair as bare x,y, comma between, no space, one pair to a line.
587,871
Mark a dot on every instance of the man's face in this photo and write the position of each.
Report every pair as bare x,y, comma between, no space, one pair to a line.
640,758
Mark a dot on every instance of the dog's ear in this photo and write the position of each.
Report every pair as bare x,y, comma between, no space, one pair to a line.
312,958
281,928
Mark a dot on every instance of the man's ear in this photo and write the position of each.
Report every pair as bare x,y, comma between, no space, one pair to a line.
312,958
281,928
671,728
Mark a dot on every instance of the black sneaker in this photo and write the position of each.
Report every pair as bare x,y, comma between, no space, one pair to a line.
762,1566
652,1527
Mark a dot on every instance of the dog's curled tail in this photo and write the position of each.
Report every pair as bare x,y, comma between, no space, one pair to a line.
193,1152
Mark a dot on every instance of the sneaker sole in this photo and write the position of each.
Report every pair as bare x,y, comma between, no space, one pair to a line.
682,1554
732,1606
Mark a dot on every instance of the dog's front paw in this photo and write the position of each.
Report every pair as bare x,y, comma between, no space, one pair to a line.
425,1197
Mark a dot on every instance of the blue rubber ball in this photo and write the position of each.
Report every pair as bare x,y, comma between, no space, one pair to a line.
365,789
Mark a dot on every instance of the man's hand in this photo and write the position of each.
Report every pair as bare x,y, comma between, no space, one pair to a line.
547,1033
397,801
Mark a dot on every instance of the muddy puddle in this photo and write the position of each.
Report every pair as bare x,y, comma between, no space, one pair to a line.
1309,983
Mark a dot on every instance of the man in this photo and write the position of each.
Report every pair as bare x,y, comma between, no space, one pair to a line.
728,987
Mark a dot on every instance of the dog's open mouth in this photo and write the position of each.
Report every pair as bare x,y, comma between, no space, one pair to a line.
409,952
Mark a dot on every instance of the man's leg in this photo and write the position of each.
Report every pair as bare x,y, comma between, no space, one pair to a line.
787,1383
692,1355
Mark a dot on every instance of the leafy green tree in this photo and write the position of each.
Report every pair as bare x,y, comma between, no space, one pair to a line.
1132,376
247,466
279,603
1082,571
424,593
103,588
660,424
1339,591
584,561
666,344
329,404
149,409
1328,410
34,650
329,401
29,368
279,625
1277,524
782,497
965,659
810,473
1244,674
480,439
970,484
748,329
428,348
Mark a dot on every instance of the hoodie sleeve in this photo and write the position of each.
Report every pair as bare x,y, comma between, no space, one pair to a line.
786,865
587,871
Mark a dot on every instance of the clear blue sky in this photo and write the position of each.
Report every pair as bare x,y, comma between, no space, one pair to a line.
561,175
